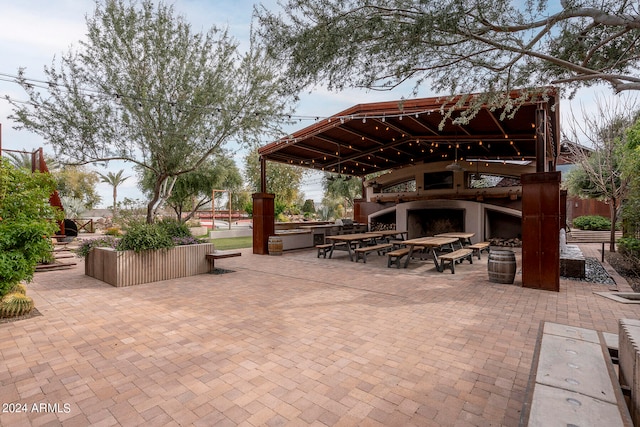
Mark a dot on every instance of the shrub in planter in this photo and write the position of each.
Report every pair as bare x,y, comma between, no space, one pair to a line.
142,237
174,228
101,242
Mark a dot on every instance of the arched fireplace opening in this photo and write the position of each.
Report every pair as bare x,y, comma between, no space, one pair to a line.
428,222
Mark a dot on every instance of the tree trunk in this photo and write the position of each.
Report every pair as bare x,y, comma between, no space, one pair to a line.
614,218
115,197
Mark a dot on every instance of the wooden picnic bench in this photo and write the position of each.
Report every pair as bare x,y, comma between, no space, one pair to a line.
449,259
395,256
479,247
365,250
573,381
215,255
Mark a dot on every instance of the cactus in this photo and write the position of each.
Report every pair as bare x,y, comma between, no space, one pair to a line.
15,304
18,288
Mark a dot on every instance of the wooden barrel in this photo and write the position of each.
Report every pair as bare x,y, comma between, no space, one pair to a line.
502,266
275,245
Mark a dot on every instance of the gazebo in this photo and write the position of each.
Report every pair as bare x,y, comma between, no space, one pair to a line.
430,132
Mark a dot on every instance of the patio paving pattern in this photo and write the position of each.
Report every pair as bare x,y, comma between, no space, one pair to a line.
286,340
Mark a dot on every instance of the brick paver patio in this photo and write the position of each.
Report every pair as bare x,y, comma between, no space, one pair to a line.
288,340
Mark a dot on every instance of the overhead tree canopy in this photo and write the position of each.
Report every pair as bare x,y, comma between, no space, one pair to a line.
144,87
457,46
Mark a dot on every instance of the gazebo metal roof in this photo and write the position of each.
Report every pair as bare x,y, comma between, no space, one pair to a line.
378,136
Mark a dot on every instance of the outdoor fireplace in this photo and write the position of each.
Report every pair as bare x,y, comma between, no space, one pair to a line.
429,222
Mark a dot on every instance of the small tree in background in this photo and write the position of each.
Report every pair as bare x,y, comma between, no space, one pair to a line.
114,180
282,180
193,190
599,174
341,191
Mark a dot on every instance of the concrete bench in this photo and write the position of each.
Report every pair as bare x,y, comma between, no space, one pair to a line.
365,250
212,257
479,247
449,259
573,381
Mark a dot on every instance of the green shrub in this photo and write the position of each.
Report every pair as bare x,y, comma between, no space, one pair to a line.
174,228
113,231
629,246
27,222
101,242
142,237
592,222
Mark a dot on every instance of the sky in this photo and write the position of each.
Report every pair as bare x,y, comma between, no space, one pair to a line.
34,32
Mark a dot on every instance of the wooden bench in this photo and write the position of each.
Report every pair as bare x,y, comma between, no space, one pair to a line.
363,251
479,247
212,257
325,248
591,236
572,381
395,256
449,259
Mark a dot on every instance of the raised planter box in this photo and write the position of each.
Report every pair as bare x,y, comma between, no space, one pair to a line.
127,268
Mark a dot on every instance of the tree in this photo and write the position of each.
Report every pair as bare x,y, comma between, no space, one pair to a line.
193,190
308,208
456,45
144,88
77,182
631,171
114,180
283,180
341,191
600,172
26,223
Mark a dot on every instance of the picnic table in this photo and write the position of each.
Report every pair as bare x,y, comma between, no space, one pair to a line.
351,240
387,234
465,238
433,244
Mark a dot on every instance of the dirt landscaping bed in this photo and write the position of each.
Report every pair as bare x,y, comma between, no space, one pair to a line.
626,266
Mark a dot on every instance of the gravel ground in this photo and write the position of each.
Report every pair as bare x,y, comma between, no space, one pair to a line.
594,273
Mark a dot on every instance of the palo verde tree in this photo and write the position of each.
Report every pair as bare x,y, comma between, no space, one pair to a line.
143,87
457,46
600,172
193,190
